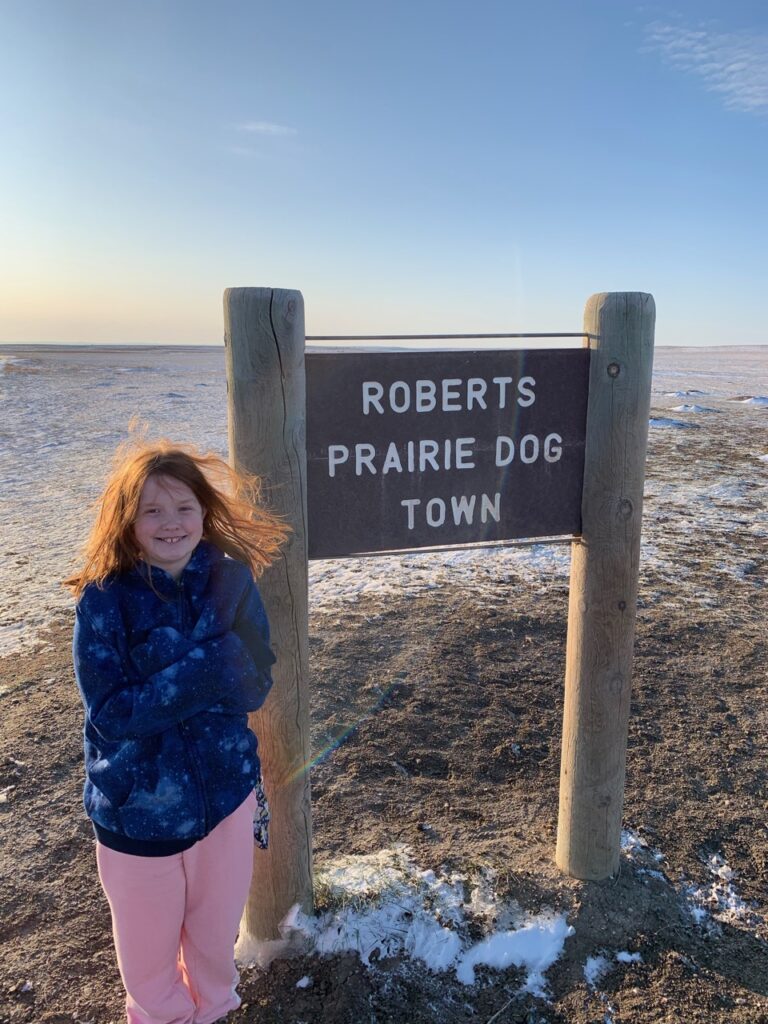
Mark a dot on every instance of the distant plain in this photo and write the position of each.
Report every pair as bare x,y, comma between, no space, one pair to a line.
436,687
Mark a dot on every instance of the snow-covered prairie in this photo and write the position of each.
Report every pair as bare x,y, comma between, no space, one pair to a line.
64,410
435,713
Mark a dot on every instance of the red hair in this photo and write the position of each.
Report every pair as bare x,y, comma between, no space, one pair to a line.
234,521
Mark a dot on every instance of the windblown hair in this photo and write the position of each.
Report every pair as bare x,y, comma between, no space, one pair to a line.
234,520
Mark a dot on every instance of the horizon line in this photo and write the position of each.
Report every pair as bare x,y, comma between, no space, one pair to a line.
337,343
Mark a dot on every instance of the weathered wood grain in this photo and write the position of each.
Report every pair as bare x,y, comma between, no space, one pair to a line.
264,338
603,591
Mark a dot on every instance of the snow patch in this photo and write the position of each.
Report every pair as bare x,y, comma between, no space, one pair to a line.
719,899
334,582
691,408
534,946
595,970
382,905
596,967
632,844
625,957
707,904
664,421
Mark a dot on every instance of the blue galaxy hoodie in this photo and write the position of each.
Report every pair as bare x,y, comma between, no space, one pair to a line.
166,680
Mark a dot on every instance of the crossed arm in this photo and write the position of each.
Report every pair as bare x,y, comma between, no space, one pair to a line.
169,677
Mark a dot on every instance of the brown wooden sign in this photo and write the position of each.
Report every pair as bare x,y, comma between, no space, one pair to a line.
427,449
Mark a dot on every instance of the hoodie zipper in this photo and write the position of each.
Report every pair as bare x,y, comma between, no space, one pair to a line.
188,741
181,603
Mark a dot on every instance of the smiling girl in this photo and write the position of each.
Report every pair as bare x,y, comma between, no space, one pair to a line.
171,652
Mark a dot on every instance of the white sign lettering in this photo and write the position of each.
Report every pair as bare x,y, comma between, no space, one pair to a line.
451,394
414,449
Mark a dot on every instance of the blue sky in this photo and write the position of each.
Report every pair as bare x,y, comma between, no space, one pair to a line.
411,166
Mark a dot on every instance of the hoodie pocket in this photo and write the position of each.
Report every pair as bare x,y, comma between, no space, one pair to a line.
114,780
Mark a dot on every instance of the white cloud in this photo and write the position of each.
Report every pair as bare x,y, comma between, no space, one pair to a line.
264,128
734,64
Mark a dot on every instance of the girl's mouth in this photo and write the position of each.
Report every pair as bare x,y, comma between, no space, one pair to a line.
171,540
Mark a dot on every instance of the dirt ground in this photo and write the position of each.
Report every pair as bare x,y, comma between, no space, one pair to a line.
460,761
446,711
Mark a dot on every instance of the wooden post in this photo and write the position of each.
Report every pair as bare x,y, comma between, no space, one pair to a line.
603,591
264,339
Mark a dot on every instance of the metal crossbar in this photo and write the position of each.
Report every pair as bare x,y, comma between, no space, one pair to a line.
434,337
458,548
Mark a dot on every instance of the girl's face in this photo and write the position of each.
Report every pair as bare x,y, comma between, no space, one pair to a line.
169,523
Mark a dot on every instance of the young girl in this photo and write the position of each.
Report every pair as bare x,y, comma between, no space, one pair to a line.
171,652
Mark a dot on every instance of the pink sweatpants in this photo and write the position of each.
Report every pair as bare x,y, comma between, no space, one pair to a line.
175,922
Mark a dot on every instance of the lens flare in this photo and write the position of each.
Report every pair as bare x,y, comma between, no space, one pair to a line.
342,737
